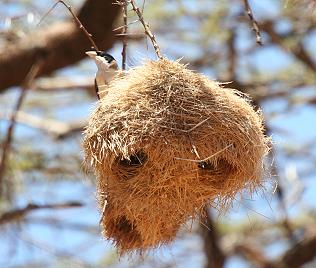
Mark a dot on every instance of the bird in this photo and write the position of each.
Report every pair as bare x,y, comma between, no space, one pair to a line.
107,70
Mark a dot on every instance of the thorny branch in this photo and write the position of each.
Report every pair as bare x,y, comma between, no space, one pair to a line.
147,29
81,27
255,26
124,49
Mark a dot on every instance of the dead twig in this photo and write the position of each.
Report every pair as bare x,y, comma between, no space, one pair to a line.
254,23
122,26
232,56
81,27
147,29
124,49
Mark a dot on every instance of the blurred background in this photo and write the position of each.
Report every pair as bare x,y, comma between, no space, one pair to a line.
48,211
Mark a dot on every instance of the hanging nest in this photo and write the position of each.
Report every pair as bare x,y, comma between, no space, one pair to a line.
163,143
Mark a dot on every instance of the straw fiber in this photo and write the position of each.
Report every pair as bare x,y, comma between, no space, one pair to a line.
163,143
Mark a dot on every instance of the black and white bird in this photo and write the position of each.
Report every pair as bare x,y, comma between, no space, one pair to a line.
107,70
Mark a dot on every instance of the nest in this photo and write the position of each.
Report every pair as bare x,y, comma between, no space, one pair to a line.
165,142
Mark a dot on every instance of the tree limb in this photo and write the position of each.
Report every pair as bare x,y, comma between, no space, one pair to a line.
63,43
298,51
18,214
6,145
57,129
303,252
214,253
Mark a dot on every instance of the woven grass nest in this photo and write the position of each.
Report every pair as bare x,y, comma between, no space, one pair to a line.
165,142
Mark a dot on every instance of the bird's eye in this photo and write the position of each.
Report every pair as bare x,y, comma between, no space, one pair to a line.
203,165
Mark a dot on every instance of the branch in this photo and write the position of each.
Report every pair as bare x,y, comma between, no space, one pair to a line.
255,26
124,49
60,83
19,214
298,51
232,56
214,254
59,130
6,146
64,43
303,252
147,30
253,254
81,27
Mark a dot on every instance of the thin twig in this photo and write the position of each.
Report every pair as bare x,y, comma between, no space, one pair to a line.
147,30
18,214
280,196
124,49
104,209
232,56
131,34
255,26
6,146
122,26
81,27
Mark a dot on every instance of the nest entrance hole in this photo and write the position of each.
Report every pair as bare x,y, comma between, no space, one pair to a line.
124,226
137,159
127,168
123,231
221,167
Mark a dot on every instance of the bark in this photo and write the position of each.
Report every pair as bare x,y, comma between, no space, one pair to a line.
215,257
301,253
62,44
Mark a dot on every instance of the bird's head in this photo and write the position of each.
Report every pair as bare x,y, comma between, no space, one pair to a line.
103,60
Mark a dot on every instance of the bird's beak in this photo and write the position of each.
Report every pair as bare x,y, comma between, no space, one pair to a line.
91,54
